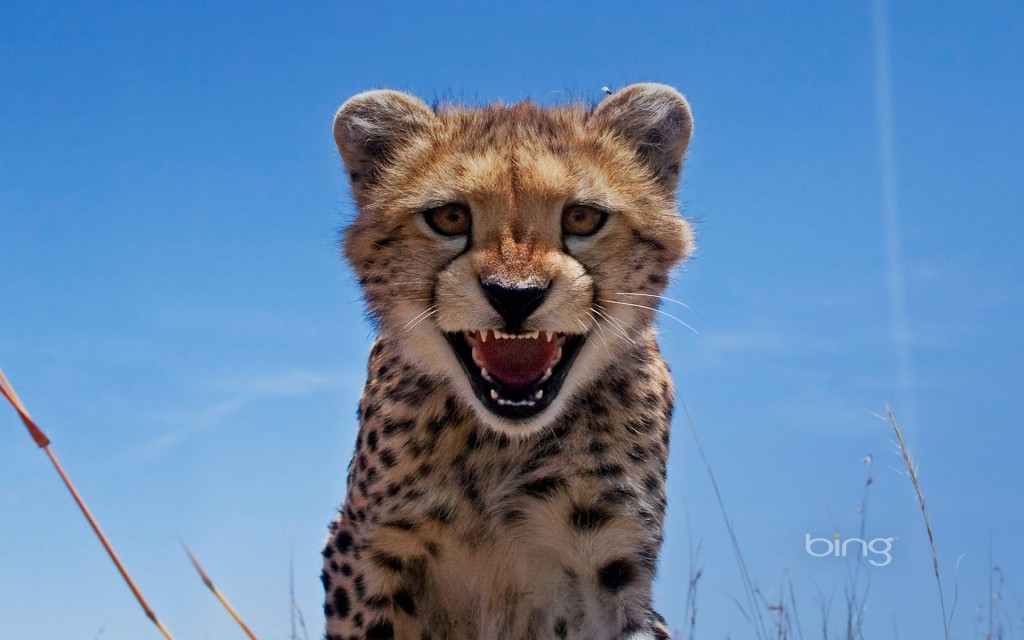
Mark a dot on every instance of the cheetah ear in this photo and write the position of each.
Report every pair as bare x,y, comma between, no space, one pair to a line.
371,126
656,119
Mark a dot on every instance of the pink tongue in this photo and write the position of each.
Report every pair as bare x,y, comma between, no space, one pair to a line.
516,362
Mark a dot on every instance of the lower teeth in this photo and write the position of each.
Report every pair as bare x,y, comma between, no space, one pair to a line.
516,403
527,402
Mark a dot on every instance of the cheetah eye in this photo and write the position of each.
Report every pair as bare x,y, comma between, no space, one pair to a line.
579,220
449,219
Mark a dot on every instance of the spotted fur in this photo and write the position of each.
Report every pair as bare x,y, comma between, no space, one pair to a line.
461,524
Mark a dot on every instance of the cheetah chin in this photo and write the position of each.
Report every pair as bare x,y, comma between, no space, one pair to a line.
516,376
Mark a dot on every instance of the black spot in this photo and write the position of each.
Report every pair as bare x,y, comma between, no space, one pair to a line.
412,495
343,542
435,426
387,561
371,440
403,600
357,620
346,569
608,470
388,458
403,525
588,518
615,575
425,470
377,602
443,513
597,446
513,516
381,630
617,495
620,387
561,629
652,483
360,584
341,602
595,406
641,425
397,426
325,580
542,487
656,278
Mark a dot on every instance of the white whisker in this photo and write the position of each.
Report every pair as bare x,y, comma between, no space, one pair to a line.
600,329
429,311
661,297
664,313
616,324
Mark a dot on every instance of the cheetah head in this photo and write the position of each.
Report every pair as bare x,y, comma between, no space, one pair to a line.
516,251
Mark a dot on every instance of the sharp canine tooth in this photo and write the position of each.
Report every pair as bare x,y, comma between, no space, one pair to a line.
547,374
551,336
483,336
539,394
494,394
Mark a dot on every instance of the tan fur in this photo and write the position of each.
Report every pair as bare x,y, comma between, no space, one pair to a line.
513,561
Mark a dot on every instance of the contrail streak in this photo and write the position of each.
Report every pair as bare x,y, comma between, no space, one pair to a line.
890,210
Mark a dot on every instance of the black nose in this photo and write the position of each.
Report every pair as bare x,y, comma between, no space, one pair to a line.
515,304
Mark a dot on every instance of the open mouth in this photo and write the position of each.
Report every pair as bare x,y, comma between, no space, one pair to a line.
516,376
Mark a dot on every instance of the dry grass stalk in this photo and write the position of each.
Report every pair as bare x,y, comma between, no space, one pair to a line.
914,480
44,443
752,612
216,592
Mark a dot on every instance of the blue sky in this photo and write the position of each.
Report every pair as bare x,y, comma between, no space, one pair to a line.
175,314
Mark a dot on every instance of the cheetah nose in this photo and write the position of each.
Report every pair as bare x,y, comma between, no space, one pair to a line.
514,304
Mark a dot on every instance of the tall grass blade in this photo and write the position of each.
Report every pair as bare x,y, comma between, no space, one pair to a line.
44,443
908,460
216,592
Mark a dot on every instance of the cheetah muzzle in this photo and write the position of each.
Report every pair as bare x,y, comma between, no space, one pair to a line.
508,478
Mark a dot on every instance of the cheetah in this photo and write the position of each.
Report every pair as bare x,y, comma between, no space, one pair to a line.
508,479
